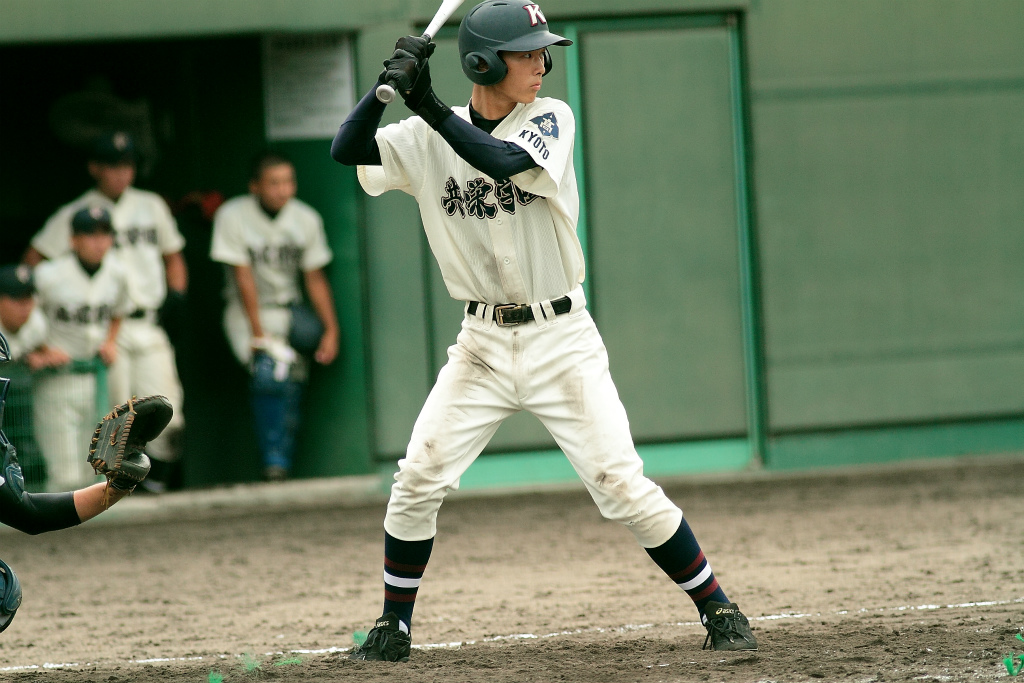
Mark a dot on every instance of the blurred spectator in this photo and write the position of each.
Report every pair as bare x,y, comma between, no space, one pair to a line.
266,239
149,245
84,296
24,325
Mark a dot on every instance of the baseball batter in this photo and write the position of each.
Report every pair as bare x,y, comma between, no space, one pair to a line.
149,245
497,195
83,295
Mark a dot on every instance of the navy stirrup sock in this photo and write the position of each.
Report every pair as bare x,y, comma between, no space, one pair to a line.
404,563
682,559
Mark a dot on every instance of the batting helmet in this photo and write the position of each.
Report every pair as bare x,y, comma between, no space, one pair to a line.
10,595
496,25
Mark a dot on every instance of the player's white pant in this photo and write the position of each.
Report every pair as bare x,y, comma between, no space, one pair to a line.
65,415
145,366
557,370
275,320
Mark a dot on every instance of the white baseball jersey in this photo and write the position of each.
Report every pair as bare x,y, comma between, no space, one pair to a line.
496,241
78,307
144,231
29,336
277,249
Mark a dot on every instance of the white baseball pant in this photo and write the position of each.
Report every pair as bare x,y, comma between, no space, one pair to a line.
556,368
65,415
145,366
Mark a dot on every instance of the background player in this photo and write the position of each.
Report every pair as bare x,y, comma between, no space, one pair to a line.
22,322
24,325
83,295
497,195
266,239
149,243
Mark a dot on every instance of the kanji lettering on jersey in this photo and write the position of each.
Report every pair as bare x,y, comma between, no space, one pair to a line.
83,315
547,124
506,193
452,200
281,256
476,195
133,236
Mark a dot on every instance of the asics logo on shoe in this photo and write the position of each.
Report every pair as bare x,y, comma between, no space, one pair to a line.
725,610
381,623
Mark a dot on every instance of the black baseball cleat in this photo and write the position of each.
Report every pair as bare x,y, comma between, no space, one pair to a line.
727,628
385,642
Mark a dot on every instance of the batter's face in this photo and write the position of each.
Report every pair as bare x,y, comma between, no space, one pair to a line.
525,73
92,247
14,311
112,179
275,186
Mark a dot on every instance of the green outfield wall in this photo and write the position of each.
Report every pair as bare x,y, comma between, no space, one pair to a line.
803,220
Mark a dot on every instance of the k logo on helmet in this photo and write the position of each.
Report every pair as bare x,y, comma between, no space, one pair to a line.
536,16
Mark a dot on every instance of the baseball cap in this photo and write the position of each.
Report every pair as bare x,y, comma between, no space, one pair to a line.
91,219
114,147
16,281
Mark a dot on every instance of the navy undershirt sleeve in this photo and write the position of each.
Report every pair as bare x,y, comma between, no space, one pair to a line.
355,143
37,513
497,158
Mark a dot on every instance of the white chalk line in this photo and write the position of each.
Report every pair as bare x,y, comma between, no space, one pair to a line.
627,628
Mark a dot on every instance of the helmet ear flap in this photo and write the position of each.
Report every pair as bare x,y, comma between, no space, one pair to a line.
485,68
547,61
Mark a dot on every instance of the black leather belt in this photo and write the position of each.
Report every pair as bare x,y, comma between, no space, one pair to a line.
510,315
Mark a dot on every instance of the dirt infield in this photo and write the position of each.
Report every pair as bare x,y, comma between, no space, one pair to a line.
900,575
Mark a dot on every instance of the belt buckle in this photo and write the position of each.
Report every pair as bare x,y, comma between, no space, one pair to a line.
499,315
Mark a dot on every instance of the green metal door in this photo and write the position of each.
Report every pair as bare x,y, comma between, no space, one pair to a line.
664,193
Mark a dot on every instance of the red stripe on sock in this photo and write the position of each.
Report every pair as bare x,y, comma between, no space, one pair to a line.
398,566
679,576
399,597
706,592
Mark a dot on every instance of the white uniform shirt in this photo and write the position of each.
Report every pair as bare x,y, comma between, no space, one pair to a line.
144,231
276,249
496,242
78,307
29,336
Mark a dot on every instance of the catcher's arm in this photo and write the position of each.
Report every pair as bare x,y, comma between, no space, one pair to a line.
94,499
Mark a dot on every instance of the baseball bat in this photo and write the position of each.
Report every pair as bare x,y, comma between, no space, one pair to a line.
386,91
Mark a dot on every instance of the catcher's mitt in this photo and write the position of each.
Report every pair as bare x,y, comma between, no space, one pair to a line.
121,435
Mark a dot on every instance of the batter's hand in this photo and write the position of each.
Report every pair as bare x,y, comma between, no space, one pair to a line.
408,69
417,46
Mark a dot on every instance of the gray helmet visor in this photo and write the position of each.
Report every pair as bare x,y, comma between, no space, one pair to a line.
533,41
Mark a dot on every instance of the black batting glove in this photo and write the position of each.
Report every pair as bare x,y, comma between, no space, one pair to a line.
402,71
403,67
417,46
411,78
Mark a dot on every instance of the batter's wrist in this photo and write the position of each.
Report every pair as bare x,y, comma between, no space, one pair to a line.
432,110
